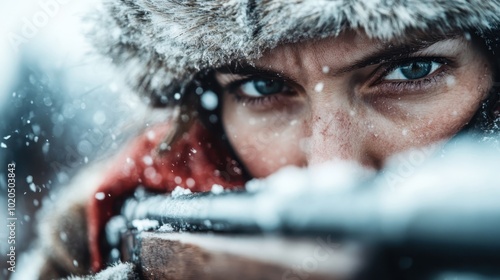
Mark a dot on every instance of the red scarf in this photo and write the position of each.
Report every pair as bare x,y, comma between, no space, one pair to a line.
197,162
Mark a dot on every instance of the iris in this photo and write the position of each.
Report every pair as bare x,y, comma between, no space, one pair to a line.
416,69
263,87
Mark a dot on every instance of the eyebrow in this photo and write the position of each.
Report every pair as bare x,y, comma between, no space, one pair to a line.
244,68
389,51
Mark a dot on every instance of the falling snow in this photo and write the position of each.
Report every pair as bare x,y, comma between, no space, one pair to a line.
115,253
100,196
450,81
178,179
319,87
99,118
63,236
190,182
467,36
148,160
151,135
45,148
213,118
209,100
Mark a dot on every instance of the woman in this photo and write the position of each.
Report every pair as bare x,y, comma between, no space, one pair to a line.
259,85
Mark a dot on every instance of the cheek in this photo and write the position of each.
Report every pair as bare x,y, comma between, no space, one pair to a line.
264,143
460,99
439,117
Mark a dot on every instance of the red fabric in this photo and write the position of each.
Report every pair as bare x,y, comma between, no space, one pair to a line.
197,158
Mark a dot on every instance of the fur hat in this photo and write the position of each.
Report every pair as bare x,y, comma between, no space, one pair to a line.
162,44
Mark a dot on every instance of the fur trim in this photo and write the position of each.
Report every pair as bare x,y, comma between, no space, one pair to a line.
162,44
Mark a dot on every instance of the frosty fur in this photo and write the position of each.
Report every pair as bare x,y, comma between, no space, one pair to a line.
161,44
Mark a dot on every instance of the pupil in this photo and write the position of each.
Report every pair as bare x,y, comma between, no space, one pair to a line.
416,70
267,87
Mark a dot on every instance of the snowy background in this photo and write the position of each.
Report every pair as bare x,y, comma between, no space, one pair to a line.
61,106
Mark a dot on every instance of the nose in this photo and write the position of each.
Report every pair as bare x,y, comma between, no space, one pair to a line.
336,131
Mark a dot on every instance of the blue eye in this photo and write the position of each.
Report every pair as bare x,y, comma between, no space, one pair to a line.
413,70
262,87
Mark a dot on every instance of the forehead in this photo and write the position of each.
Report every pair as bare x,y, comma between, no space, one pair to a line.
332,46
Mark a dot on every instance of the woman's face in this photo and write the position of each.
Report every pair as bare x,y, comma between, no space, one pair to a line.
350,98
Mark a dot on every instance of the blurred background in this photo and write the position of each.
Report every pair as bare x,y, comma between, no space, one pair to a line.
61,106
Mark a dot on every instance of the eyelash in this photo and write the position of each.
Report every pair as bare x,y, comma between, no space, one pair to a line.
390,66
413,85
259,101
233,87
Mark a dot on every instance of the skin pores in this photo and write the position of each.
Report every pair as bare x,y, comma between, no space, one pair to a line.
350,98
